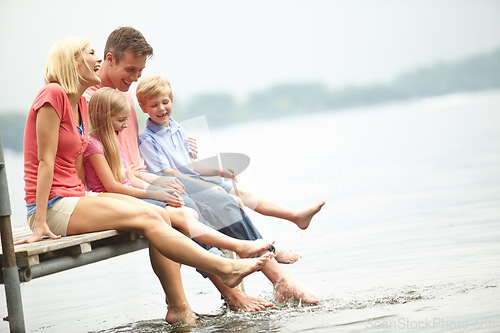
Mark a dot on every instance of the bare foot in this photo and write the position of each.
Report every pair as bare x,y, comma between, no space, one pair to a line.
286,257
239,268
287,288
250,248
304,217
239,301
183,314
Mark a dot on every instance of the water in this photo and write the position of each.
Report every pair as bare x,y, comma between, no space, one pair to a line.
409,238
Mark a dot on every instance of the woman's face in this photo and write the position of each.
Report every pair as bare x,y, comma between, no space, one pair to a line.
89,65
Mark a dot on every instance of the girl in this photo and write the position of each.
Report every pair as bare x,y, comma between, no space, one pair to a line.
107,171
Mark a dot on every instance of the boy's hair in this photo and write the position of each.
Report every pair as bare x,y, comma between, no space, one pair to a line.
153,86
61,66
127,39
105,103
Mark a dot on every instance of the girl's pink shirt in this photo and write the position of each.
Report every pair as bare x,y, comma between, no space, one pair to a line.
94,183
70,145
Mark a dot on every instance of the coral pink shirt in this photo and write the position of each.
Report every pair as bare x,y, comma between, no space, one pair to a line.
128,138
71,144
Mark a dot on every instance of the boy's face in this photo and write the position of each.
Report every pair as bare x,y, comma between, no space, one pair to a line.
119,120
159,109
127,71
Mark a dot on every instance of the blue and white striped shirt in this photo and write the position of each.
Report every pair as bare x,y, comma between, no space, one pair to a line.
166,147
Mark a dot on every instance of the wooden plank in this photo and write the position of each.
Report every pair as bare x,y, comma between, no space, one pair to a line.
47,245
28,261
32,254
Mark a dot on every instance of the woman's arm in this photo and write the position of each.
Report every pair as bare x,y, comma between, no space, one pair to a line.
47,136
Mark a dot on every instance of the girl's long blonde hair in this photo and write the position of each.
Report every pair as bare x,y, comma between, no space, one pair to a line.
105,103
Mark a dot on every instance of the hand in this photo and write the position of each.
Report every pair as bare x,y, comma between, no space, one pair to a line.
228,173
173,198
192,145
41,231
170,184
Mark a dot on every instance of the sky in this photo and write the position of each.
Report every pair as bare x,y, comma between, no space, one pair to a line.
241,47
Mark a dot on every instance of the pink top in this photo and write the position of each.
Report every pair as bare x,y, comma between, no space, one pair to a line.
129,136
94,183
70,145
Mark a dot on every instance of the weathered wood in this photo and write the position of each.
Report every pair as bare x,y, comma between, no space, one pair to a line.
28,255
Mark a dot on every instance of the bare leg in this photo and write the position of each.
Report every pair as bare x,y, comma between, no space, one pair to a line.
284,286
109,212
237,299
186,220
302,218
169,274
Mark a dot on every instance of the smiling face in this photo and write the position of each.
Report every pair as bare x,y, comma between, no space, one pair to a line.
89,65
121,74
159,109
119,119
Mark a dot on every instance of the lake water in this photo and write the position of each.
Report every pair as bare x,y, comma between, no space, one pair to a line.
409,238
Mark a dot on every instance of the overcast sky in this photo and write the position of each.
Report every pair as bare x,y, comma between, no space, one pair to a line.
245,46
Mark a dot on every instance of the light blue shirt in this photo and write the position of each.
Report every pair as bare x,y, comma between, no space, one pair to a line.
166,147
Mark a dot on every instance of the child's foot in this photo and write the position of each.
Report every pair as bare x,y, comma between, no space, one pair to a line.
184,315
253,247
239,268
286,257
287,289
240,301
304,217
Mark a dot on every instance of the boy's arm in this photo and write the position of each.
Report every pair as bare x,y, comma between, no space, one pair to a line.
210,171
178,174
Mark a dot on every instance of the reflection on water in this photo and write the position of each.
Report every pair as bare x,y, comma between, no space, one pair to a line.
409,238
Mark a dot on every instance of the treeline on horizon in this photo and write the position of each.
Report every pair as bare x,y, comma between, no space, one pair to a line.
474,74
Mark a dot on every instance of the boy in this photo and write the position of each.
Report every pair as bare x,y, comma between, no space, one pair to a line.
163,147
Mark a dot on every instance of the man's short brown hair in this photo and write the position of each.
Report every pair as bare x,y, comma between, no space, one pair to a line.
127,39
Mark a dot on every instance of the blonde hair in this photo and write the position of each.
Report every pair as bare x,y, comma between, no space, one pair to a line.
105,103
61,66
153,86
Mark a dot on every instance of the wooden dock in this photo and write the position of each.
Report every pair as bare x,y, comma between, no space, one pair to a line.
50,256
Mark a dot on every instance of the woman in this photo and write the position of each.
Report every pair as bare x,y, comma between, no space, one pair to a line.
56,135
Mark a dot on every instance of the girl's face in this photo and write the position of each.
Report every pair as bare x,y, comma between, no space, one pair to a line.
119,120
89,65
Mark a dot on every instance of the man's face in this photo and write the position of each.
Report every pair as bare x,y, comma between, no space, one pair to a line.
126,71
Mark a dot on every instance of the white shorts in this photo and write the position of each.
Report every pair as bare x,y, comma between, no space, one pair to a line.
58,215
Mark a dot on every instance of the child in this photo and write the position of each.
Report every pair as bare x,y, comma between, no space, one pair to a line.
107,171
164,148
